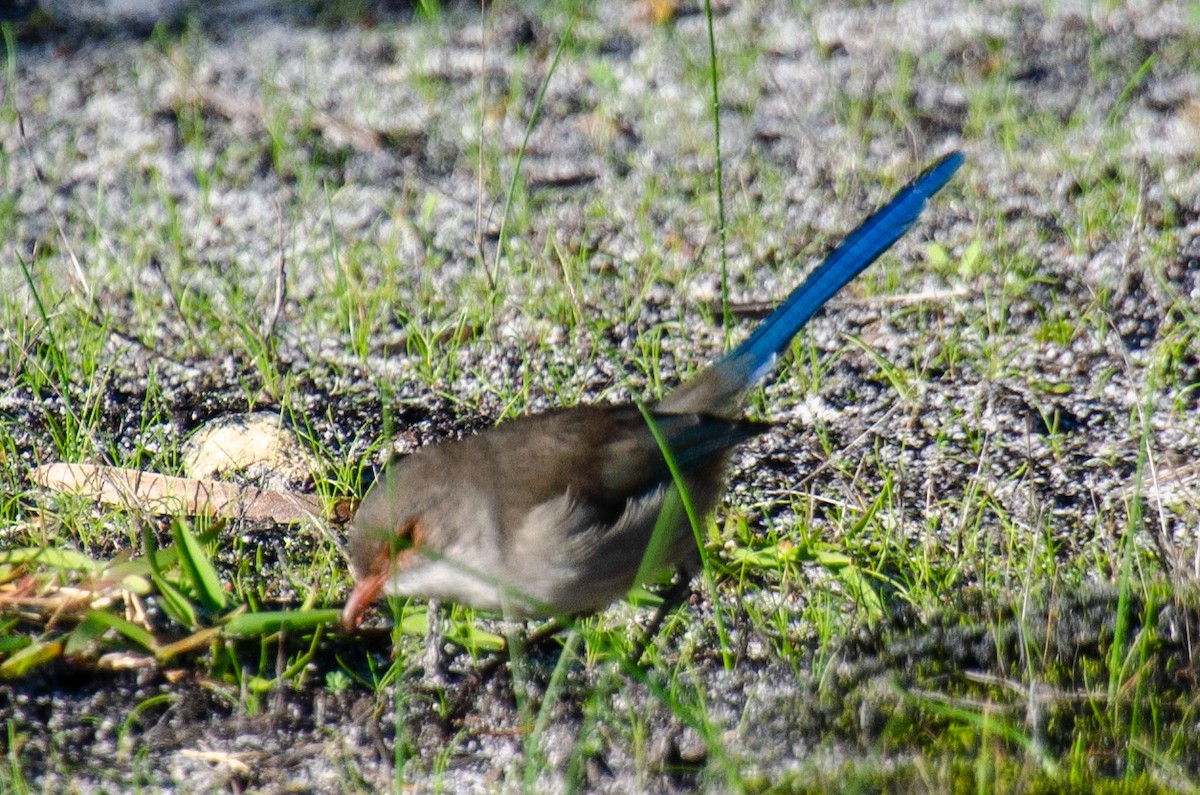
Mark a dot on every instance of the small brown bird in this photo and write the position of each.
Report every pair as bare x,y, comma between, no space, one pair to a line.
552,514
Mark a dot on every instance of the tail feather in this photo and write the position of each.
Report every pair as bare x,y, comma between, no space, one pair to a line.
718,389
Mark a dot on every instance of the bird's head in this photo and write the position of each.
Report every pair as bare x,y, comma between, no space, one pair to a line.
380,545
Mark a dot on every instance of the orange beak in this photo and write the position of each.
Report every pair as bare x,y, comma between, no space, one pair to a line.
365,591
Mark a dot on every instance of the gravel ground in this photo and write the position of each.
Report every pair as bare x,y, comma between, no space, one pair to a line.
387,108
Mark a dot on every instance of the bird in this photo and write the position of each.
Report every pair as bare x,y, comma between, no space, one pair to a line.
553,514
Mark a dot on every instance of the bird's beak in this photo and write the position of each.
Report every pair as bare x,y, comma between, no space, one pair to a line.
365,591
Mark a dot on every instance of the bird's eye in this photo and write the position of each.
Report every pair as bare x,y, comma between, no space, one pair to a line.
405,538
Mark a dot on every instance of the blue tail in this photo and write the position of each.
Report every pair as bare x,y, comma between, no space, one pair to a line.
719,386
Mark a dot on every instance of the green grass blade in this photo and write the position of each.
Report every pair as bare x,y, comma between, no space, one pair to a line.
199,569
37,653
512,183
661,535
271,621
61,559
173,602
139,635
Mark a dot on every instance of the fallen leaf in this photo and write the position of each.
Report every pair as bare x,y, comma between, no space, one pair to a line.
166,494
